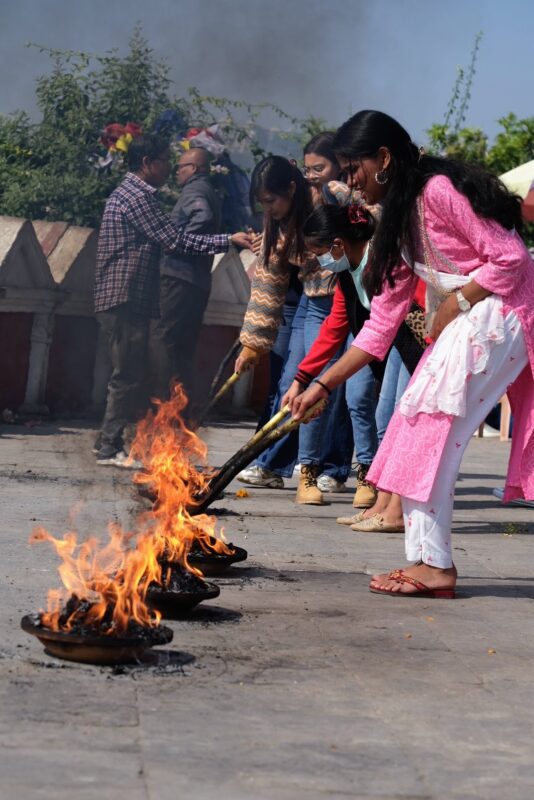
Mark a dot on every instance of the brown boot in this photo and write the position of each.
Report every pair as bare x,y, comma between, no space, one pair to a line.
365,495
308,493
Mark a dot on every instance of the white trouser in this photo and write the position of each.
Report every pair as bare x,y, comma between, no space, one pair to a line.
428,525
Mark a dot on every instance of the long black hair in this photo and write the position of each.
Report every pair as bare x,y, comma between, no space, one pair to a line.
362,136
275,175
326,223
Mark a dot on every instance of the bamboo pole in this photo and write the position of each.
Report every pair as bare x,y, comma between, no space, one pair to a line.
254,440
248,453
269,425
232,353
225,388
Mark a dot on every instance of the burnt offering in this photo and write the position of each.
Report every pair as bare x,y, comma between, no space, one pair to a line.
210,561
96,644
179,592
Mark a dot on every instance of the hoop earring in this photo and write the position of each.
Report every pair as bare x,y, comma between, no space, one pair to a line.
381,177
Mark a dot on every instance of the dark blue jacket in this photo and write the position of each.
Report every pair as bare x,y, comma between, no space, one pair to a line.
198,210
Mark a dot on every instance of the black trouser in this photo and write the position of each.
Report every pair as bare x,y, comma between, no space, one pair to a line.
174,337
127,337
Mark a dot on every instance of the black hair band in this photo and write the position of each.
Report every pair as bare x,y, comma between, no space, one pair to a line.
323,386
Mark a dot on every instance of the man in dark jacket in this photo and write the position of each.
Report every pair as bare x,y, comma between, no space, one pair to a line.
134,232
185,279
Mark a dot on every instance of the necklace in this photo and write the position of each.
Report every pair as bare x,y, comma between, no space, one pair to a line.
430,248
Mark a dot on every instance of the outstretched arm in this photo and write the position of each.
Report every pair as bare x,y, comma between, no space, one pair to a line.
351,362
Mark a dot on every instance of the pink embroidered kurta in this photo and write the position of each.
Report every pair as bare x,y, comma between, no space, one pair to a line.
408,460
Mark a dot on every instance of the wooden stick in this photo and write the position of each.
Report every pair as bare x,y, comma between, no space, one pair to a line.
272,423
232,353
225,388
253,442
248,453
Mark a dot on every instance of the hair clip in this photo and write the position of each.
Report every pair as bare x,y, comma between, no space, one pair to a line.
356,215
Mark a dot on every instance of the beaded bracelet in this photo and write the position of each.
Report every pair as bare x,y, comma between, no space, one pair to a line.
323,386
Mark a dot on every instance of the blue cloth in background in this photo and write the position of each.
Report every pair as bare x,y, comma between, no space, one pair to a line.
396,379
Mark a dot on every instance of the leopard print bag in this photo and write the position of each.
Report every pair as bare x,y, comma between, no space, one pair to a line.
416,322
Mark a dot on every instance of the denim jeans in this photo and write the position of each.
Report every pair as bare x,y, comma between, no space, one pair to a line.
396,379
285,451
312,438
360,392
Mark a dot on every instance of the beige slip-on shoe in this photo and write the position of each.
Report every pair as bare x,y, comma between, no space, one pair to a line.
351,520
376,524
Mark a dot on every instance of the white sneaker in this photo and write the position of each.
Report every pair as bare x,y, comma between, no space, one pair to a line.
120,459
296,471
328,484
258,476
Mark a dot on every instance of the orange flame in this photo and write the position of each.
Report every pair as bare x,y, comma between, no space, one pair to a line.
114,577
171,454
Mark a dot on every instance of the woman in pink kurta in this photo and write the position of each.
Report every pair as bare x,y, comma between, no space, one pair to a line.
455,227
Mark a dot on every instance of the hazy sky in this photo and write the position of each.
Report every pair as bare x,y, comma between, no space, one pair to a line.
329,58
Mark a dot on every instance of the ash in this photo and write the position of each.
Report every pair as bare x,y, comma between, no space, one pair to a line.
199,550
105,627
178,579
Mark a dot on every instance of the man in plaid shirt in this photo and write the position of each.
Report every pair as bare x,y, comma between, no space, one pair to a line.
133,234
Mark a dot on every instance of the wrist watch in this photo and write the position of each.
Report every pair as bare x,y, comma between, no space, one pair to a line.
463,302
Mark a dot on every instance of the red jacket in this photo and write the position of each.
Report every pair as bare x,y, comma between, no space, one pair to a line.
333,334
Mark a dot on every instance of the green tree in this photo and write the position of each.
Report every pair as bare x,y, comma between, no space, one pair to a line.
48,169
467,144
513,146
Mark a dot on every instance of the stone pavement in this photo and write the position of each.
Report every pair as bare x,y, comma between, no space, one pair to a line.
297,682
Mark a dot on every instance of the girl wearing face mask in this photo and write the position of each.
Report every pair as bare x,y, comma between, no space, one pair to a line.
322,172
286,200
340,239
456,227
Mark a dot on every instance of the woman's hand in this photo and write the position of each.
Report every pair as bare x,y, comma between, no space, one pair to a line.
294,390
447,312
246,359
304,401
316,193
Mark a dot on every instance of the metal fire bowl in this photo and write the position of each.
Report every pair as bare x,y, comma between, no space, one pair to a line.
171,603
99,650
217,563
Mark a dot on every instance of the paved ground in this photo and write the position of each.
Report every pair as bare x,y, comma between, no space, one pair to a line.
297,683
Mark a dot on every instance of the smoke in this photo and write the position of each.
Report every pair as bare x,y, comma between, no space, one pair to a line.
328,58
290,53
287,53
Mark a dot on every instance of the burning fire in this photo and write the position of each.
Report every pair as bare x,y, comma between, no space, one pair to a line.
111,579
171,453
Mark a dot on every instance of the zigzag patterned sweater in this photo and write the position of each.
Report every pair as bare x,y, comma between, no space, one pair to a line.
268,292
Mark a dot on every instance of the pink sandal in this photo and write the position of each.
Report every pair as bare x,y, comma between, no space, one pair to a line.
398,575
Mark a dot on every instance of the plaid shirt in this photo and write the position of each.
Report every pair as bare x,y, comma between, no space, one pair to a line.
134,230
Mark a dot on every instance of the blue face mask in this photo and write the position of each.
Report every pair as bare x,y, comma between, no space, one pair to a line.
356,275
327,261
